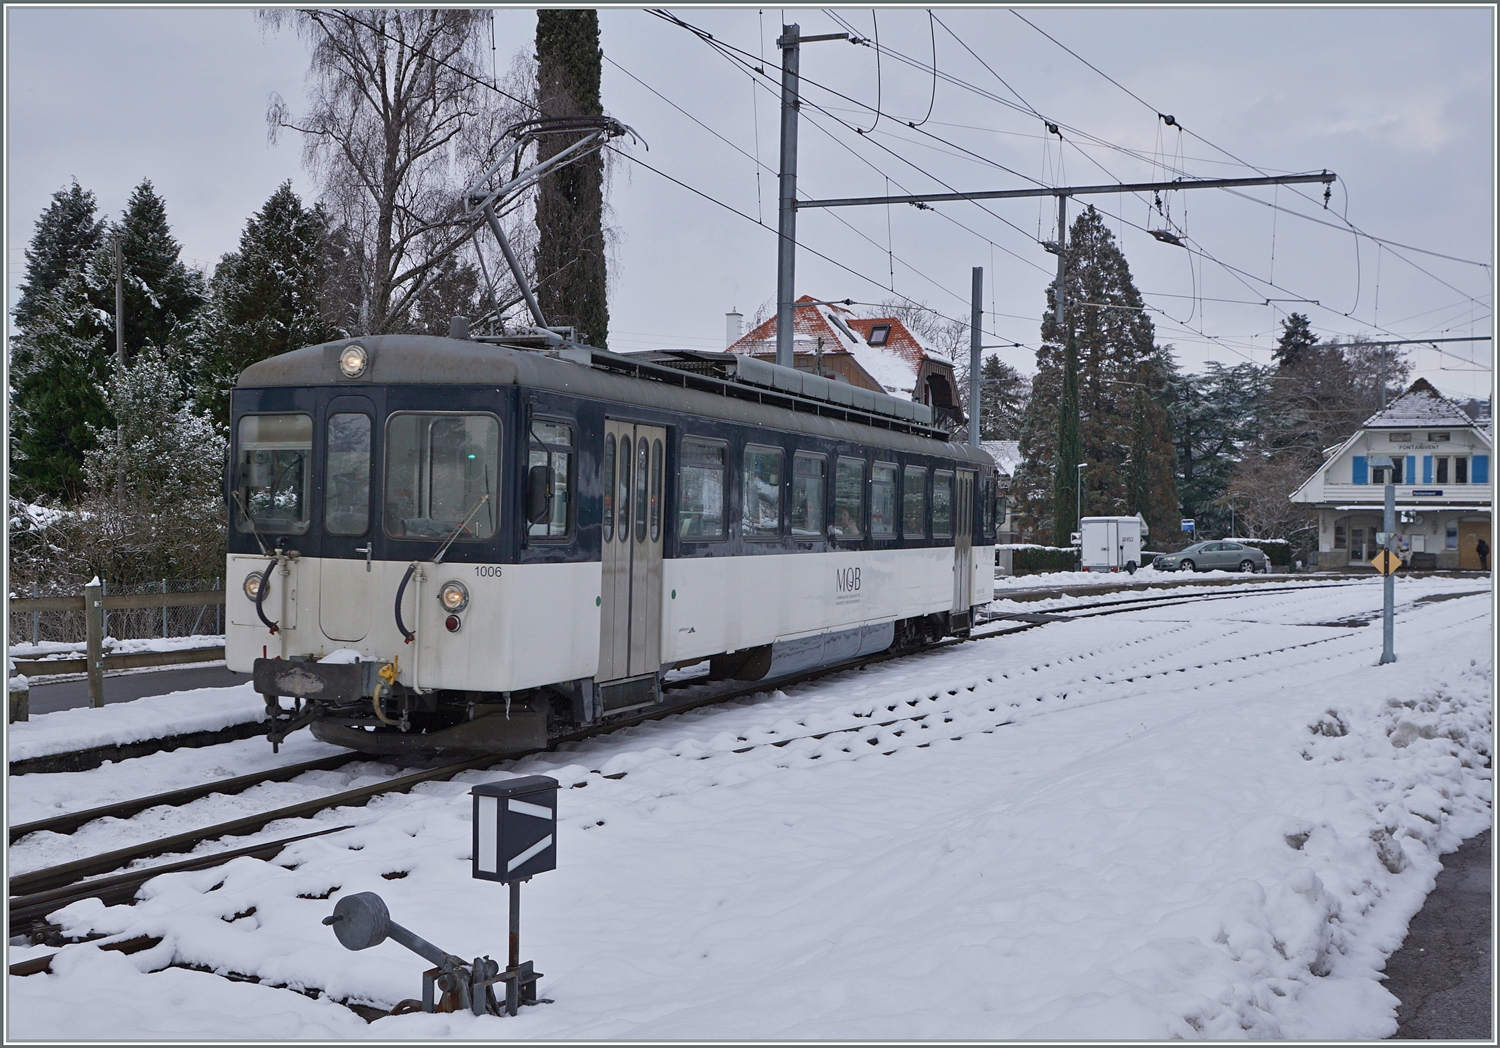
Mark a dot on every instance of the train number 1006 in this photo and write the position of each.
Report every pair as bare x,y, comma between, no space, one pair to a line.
487,571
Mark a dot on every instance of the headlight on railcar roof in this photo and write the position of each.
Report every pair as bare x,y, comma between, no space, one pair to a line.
353,360
454,596
253,583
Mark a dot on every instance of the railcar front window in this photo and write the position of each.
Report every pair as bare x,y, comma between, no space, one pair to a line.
761,494
346,501
273,473
807,495
441,476
700,492
883,501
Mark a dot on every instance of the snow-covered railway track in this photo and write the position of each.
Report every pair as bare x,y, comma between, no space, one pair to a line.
1163,653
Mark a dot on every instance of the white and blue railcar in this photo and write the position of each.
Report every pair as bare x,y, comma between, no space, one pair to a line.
453,545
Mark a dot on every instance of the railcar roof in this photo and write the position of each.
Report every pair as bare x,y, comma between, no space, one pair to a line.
433,360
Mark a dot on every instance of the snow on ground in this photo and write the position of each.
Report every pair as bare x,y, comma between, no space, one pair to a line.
179,713
1203,821
50,649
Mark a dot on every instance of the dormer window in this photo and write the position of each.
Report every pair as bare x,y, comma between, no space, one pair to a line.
880,334
1400,438
1439,436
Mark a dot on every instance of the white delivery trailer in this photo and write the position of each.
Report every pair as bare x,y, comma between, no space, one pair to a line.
1112,543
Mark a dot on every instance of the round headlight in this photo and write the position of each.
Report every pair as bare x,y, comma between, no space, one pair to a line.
353,360
454,596
253,583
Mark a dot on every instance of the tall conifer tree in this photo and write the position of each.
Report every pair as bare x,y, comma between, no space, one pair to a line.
1115,339
60,354
570,254
268,297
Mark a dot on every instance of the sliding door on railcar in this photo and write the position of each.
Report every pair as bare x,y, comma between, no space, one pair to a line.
963,543
633,463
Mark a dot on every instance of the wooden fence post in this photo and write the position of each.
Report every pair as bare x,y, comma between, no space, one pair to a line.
36,617
164,610
93,617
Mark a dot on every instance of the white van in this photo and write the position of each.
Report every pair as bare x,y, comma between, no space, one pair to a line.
1111,543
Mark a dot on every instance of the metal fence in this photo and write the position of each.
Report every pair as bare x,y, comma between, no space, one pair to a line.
37,617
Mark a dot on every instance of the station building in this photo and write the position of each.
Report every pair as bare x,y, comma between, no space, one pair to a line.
1442,479
1007,456
879,353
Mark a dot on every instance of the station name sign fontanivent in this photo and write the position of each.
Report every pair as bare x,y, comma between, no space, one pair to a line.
1420,492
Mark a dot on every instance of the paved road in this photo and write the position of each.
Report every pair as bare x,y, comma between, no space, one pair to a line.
48,698
1442,973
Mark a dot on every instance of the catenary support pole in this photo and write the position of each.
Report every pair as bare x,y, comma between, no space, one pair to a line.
1389,652
786,215
975,379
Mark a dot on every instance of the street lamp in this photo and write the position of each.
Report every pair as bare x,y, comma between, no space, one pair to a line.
1078,515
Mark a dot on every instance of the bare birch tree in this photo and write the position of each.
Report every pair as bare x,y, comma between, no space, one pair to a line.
399,114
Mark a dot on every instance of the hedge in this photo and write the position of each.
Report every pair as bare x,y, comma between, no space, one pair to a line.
1044,558
1277,551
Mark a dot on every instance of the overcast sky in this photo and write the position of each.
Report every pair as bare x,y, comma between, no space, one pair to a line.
1398,102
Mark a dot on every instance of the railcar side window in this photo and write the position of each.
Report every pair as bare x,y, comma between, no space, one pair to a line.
883,501
914,503
623,502
642,482
441,473
700,491
942,504
761,518
552,446
656,467
346,498
808,493
848,497
273,473
609,487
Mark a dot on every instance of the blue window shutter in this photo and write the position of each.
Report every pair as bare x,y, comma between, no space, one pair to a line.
1426,469
1480,474
1411,469
1361,470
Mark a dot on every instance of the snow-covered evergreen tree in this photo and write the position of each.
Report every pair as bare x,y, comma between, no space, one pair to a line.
1002,400
268,297
1213,421
155,505
59,354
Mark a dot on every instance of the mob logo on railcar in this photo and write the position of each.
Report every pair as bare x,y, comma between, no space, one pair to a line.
846,584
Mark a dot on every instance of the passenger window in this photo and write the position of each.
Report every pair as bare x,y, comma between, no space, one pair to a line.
440,473
552,447
942,504
700,491
609,487
883,501
642,486
346,497
761,517
848,497
623,502
808,493
272,473
656,464
914,503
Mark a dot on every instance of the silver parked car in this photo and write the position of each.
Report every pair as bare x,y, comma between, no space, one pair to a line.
1208,556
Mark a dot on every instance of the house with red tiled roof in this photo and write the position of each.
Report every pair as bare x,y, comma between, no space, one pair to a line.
879,353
